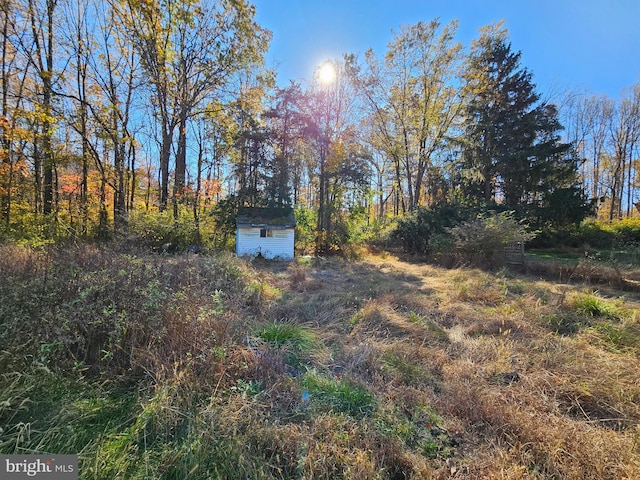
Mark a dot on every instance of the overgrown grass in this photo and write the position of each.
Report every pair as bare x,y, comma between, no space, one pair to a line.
43,411
336,395
590,304
282,334
205,366
286,341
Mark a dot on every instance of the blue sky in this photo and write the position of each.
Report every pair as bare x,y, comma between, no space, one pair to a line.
585,45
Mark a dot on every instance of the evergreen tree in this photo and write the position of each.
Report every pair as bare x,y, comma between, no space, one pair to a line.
512,151
286,125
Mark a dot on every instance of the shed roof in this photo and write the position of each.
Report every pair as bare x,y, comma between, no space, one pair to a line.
265,217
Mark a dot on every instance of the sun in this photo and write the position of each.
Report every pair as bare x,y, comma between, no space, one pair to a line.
327,73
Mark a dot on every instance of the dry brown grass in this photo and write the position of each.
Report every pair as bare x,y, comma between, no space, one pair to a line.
517,400
427,372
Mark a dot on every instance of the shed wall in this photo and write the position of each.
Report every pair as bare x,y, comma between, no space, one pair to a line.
279,245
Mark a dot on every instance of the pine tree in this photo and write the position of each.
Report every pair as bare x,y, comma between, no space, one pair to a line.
513,154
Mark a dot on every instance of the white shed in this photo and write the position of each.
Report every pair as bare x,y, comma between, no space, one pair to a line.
268,232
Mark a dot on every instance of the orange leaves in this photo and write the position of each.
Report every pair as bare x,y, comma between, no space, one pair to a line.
69,183
12,174
210,188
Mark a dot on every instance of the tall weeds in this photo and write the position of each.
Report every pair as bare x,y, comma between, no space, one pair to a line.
206,366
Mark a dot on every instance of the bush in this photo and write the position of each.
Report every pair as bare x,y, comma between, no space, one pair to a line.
479,240
608,235
593,234
96,310
155,229
418,228
305,229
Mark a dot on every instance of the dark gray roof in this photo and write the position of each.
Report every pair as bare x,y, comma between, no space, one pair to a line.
265,217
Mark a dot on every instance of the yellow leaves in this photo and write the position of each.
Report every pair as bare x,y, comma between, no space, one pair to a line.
343,157
337,154
251,97
4,170
40,115
94,89
11,132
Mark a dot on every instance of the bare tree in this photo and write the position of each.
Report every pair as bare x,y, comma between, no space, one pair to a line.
41,17
624,134
414,102
189,49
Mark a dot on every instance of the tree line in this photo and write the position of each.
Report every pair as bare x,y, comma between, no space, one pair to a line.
606,135
110,109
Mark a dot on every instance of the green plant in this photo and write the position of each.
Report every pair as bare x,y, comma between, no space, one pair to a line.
48,350
420,429
417,229
407,369
291,341
480,240
355,319
68,413
339,396
305,229
592,305
260,291
217,301
247,389
620,337
287,334
566,323
154,230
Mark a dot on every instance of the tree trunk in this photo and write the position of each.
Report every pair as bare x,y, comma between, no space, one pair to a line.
6,159
81,79
165,151
103,220
47,98
119,194
196,199
181,165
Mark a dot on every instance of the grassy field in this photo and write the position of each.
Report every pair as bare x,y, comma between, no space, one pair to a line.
194,366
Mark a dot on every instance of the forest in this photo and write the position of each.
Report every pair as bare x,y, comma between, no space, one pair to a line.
156,120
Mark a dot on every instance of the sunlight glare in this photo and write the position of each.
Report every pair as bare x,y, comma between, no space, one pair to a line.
327,73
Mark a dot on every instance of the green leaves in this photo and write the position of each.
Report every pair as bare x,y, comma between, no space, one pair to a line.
412,101
512,151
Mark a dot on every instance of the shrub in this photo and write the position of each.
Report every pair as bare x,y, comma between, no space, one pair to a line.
593,234
103,310
418,228
155,229
305,228
626,231
479,240
607,235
